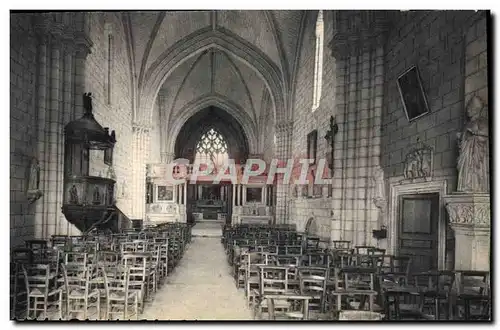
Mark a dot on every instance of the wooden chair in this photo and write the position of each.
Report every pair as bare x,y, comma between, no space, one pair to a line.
42,290
79,290
354,286
313,283
119,298
473,299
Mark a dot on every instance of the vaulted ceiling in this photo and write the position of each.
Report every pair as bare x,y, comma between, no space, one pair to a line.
214,72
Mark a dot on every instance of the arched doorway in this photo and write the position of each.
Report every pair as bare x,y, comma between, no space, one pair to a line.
212,136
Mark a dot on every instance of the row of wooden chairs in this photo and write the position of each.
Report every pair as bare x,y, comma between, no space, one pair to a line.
381,279
122,270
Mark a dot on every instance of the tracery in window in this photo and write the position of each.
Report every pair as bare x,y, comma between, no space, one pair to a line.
212,148
318,62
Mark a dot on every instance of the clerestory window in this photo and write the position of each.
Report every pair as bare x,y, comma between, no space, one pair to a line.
318,62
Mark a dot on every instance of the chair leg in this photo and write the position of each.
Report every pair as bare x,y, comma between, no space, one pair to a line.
98,306
136,308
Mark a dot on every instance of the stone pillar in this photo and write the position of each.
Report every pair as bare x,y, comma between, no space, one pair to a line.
167,157
284,132
60,62
358,48
140,155
470,220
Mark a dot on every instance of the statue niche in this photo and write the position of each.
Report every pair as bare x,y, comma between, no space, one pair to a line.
33,192
474,151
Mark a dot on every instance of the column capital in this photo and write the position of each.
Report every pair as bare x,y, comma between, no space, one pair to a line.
470,211
355,32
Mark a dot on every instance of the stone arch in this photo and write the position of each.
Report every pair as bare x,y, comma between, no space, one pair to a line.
311,226
198,42
241,116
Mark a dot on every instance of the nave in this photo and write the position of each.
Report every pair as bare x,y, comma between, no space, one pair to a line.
201,288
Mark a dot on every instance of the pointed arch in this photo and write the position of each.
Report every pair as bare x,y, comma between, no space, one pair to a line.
199,41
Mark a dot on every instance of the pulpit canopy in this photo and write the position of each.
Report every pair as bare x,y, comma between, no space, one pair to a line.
88,131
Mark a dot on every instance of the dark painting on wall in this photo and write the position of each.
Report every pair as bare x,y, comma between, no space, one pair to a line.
412,94
312,145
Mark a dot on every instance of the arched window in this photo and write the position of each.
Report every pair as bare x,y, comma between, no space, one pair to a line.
318,62
211,148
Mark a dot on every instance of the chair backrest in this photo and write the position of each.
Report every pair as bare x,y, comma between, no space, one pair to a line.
359,278
339,244
363,249
273,279
313,279
474,282
38,276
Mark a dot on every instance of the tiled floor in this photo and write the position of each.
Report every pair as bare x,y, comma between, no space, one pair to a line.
200,288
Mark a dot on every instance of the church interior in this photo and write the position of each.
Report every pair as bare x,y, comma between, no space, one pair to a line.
390,108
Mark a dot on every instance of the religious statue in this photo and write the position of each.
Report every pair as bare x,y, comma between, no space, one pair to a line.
73,195
379,198
87,102
96,197
111,173
33,190
474,155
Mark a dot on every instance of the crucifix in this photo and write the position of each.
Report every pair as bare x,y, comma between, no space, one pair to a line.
330,137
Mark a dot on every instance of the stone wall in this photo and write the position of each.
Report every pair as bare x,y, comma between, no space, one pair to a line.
306,120
434,42
51,68
116,112
23,124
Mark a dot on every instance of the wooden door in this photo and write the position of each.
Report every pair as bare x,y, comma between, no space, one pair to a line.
418,230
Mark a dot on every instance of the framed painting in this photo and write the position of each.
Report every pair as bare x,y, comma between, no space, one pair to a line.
312,145
165,193
412,94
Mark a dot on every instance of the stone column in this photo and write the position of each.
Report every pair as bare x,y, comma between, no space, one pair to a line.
358,48
140,155
284,133
58,49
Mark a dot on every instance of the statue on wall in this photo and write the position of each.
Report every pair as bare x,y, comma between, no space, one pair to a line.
73,195
379,197
33,191
96,196
474,155
87,102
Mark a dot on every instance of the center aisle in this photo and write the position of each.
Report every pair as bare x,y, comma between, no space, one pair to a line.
200,288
